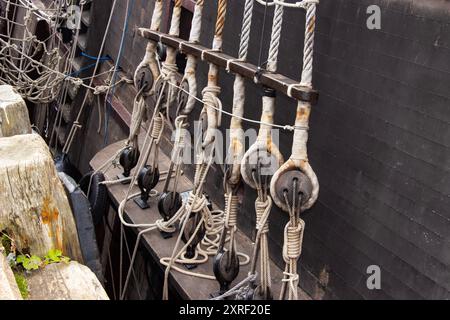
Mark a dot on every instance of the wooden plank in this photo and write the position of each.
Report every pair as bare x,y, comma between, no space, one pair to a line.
187,286
275,81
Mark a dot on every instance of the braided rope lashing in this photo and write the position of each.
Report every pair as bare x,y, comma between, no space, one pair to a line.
169,66
264,146
236,149
150,57
298,161
299,155
212,90
264,141
189,80
212,224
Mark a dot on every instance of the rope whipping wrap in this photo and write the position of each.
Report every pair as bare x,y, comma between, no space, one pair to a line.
150,58
189,81
211,92
169,66
299,155
236,149
264,142
298,161
197,202
264,146
149,61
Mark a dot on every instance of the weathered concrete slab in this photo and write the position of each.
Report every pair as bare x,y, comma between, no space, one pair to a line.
14,118
62,281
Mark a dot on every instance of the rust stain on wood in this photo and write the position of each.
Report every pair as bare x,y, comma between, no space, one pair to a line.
49,216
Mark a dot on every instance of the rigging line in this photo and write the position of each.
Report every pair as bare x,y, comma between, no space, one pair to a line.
287,127
109,95
76,125
262,37
105,58
72,79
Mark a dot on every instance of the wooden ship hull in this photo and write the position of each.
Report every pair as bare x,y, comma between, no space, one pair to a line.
378,141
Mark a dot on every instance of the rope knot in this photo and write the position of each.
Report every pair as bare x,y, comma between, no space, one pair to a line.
168,69
231,208
262,209
157,128
197,203
211,100
293,239
100,89
164,226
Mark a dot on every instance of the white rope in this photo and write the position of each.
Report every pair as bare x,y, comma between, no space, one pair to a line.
222,111
16,66
189,78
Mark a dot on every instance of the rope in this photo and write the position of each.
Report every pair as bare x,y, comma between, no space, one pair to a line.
275,38
246,27
308,51
76,125
212,90
108,97
189,78
299,155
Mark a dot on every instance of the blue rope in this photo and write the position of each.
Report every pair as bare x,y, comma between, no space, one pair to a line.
105,58
109,98
75,73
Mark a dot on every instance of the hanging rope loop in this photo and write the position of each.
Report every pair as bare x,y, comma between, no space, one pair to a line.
262,209
293,240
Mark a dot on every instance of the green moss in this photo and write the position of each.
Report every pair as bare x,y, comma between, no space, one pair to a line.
22,283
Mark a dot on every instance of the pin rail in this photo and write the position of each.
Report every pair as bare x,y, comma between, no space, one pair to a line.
276,81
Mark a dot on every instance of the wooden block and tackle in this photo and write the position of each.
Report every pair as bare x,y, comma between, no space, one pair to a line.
187,287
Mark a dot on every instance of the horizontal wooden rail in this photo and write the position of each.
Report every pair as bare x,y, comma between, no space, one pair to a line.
275,81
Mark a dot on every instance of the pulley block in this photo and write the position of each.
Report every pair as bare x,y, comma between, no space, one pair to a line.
192,223
169,203
128,160
144,79
296,185
226,268
147,179
261,164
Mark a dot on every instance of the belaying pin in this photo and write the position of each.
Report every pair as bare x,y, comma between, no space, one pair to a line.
147,179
